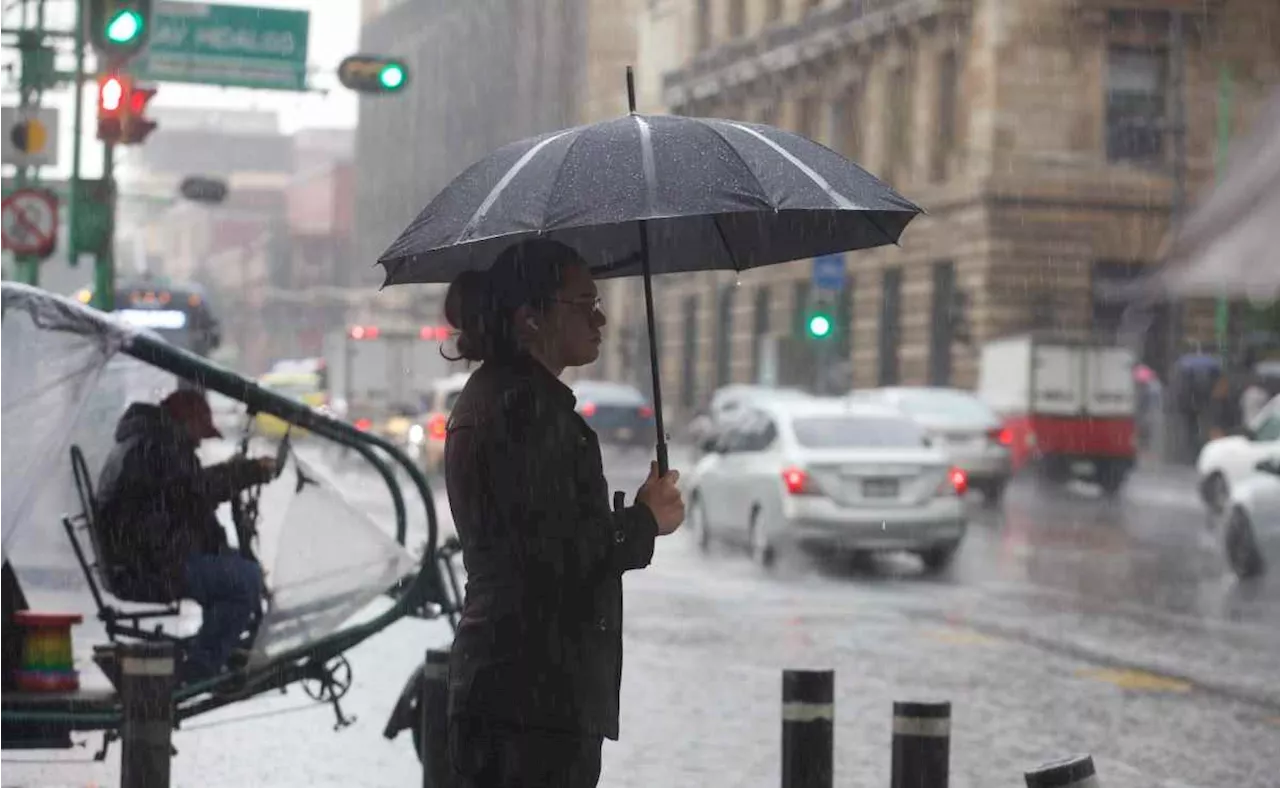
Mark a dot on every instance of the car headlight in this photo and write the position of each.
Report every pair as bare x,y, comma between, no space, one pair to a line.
416,433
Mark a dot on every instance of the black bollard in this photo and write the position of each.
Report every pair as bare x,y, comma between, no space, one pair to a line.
146,697
921,745
433,744
1074,772
808,717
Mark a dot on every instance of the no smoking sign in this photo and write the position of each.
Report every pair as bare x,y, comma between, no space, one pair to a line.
30,218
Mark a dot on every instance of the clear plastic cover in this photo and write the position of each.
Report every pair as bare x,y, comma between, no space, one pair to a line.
65,382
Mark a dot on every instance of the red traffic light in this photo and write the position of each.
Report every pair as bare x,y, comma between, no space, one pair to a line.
138,98
113,91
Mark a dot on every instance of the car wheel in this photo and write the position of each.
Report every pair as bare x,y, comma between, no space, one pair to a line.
1110,478
698,525
762,553
1216,493
938,558
1242,549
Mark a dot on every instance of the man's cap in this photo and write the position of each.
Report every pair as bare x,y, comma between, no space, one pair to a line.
190,407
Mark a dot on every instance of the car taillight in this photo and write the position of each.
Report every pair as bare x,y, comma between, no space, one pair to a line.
588,409
363,424
1002,436
646,412
797,482
956,482
437,427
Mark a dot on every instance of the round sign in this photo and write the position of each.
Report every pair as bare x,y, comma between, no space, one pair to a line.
30,221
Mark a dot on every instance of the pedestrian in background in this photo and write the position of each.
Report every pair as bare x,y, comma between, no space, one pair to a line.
536,663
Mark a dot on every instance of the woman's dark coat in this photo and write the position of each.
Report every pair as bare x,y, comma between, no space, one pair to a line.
540,639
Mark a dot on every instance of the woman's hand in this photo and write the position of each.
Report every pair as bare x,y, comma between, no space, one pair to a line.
663,498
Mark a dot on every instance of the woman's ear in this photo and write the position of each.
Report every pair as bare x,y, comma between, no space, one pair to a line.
526,320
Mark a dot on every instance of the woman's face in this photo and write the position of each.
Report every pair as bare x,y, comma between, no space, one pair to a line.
568,332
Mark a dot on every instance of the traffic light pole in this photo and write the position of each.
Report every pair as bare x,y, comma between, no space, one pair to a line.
73,193
104,272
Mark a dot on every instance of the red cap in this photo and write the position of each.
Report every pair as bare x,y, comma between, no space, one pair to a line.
191,408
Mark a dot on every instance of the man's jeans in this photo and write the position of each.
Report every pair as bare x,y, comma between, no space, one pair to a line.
228,589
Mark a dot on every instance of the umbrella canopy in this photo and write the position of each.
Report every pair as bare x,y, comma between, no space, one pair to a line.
712,193
1227,246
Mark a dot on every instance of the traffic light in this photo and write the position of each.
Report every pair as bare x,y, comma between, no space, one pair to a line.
119,29
134,124
112,92
122,107
372,74
819,325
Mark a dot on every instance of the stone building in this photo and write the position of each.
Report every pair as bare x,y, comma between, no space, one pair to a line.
1037,134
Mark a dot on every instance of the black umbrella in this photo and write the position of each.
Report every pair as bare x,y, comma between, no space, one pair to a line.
650,195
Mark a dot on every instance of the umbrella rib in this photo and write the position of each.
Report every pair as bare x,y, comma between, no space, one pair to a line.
836,197
715,221
647,164
503,183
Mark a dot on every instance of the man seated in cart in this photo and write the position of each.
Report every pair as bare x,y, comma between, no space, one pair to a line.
157,514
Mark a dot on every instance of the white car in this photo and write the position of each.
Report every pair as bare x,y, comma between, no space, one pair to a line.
729,402
830,473
1225,462
969,432
1251,538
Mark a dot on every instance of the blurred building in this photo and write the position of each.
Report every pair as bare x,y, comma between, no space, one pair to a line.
483,73
1039,135
275,255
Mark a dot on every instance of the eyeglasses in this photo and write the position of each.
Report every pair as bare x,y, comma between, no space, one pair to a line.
591,304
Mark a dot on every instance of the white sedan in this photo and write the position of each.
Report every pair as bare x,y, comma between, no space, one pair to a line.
830,473
1251,538
1224,462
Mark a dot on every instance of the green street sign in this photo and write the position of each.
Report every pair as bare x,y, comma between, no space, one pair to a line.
226,45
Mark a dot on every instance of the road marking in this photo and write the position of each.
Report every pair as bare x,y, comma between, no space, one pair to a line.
1140,680
959,637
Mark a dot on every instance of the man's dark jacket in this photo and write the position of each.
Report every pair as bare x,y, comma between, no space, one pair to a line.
157,504
539,643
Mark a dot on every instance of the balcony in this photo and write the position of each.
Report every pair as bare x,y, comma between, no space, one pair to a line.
780,48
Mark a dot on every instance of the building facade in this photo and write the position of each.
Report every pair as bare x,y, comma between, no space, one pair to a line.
1041,137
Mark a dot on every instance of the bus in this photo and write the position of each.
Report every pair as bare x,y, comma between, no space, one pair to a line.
179,313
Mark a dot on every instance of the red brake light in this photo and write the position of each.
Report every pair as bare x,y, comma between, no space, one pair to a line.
959,480
1002,436
364,332
363,424
434,332
646,412
798,482
437,427
588,409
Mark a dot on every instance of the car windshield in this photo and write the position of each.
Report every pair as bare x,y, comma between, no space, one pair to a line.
856,432
952,405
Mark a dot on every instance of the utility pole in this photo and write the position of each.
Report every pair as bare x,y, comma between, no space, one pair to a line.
1225,83
1178,439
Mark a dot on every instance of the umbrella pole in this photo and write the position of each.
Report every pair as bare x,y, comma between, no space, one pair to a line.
663,465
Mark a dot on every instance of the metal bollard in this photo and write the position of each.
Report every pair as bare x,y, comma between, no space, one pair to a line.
146,732
1074,772
808,718
433,744
921,745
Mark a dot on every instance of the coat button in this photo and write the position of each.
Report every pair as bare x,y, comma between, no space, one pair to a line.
619,537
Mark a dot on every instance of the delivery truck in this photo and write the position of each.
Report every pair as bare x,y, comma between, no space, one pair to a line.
1068,402
379,376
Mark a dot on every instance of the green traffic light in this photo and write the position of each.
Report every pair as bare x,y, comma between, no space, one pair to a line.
391,76
124,27
819,326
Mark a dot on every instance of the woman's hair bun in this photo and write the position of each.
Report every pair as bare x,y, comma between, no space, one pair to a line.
469,309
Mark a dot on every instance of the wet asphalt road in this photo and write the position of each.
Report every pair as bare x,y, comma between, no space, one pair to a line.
1068,623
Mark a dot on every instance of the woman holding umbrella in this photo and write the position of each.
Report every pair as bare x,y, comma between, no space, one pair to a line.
536,662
